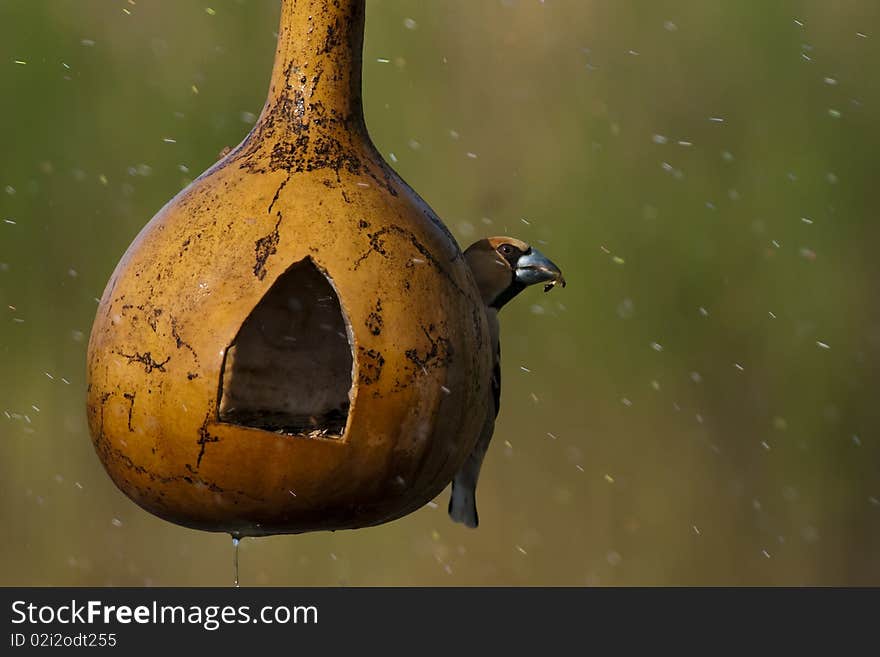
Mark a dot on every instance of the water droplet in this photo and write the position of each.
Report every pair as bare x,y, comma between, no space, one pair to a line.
235,543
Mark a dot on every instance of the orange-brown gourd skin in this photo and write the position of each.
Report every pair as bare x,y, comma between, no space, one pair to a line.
306,183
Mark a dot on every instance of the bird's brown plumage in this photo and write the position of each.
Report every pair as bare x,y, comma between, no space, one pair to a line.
502,268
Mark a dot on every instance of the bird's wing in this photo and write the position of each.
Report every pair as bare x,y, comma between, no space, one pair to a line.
496,379
495,345
463,501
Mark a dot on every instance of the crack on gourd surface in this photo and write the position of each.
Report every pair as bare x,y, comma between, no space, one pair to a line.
130,397
205,437
180,342
278,192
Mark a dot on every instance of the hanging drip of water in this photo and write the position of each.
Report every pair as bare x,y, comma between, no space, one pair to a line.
235,541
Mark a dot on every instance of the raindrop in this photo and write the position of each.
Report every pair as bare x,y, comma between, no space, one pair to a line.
235,543
626,309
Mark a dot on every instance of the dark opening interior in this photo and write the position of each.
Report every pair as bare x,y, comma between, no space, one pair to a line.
289,368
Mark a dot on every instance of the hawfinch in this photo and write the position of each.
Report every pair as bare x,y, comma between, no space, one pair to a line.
502,268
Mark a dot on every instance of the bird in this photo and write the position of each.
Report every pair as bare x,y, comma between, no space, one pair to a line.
502,267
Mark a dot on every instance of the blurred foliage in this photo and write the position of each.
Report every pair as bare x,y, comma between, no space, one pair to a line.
699,406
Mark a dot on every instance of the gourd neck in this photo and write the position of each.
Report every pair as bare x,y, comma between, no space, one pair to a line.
317,72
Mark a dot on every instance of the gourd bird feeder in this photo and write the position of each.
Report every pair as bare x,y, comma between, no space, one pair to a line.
294,342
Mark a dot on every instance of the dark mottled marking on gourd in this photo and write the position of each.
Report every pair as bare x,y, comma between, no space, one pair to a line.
438,355
377,245
146,359
374,321
153,318
371,365
313,144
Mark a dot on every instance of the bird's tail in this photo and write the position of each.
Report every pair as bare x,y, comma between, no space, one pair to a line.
463,503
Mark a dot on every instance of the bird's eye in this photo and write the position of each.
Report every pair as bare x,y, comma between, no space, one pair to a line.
506,249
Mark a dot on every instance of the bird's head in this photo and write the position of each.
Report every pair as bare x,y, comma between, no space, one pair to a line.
504,266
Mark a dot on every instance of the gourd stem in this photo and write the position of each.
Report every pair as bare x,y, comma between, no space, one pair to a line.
317,72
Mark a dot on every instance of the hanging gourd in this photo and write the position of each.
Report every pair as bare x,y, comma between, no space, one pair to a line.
294,342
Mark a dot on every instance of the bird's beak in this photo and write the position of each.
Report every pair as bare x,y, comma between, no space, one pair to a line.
534,267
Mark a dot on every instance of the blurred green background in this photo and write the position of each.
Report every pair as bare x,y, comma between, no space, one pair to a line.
698,406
